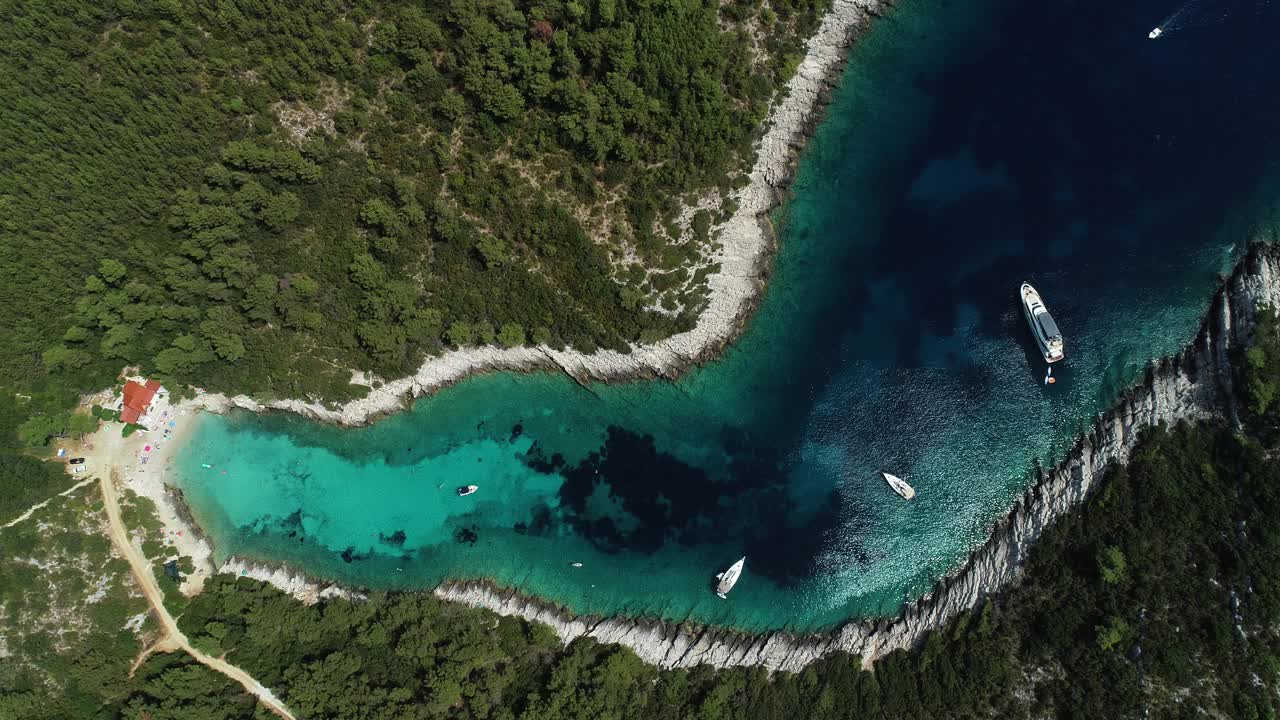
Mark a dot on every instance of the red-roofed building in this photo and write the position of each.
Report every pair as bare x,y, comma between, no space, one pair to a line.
137,397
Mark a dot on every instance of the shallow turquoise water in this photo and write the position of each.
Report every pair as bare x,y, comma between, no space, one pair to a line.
959,158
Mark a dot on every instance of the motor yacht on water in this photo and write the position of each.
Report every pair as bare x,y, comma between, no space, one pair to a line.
1045,330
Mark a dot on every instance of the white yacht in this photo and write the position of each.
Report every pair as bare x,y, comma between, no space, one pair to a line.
1155,33
1048,337
466,490
899,485
729,578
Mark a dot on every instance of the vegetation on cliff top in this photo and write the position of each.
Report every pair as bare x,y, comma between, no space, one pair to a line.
258,197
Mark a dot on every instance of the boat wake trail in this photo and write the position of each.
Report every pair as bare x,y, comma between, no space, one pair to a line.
1199,13
1174,21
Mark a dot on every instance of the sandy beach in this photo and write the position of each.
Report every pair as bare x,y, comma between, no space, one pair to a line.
143,463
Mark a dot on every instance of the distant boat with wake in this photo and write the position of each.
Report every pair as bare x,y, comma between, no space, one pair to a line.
466,490
899,485
1048,337
729,578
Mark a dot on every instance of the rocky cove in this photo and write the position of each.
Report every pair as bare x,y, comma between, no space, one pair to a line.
846,365
1195,384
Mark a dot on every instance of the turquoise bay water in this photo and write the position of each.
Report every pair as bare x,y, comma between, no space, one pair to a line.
962,155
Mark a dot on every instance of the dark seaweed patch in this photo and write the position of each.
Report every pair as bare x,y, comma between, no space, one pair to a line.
466,535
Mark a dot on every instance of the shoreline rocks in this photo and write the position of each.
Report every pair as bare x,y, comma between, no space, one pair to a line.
1195,384
305,589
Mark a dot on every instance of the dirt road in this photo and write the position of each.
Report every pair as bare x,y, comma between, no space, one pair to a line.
31,510
172,638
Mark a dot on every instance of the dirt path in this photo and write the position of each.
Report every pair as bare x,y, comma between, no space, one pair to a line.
46,501
172,638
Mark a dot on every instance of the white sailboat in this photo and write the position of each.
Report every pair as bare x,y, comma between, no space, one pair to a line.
899,485
729,578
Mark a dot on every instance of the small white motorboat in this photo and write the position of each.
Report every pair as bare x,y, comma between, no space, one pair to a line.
899,485
577,564
466,490
729,578
1155,33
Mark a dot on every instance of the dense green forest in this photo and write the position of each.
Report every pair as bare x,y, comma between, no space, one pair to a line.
24,479
1159,599
260,197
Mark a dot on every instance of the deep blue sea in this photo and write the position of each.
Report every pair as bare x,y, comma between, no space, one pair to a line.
971,146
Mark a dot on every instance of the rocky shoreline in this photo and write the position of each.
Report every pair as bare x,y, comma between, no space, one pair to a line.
1195,384
745,262
302,587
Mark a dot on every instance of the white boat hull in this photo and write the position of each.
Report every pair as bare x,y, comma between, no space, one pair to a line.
1043,327
899,486
729,578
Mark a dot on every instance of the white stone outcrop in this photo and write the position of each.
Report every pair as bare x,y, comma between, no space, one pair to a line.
301,587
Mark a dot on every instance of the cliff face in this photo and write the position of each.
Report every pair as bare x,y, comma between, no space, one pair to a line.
1193,385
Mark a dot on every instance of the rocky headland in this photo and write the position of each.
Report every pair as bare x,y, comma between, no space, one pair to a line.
745,260
1195,384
